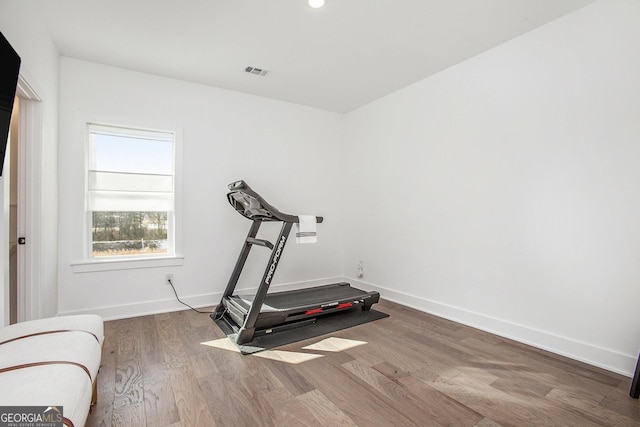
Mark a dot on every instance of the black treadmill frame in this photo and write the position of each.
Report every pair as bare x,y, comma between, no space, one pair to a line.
259,211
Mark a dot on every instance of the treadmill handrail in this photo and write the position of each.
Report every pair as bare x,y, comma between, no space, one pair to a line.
251,205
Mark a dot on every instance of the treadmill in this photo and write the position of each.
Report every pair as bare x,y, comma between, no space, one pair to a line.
251,316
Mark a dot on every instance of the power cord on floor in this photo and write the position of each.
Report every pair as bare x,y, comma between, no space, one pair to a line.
184,303
220,316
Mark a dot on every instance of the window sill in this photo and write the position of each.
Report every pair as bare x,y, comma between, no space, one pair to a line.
125,264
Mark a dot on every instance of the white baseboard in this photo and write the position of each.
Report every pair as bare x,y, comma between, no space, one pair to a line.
610,360
115,312
607,359
167,305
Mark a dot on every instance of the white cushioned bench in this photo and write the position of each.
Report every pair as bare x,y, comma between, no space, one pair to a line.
52,362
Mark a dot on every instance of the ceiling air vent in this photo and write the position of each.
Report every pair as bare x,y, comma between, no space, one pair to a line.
256,71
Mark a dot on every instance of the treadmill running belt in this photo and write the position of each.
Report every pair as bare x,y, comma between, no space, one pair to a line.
304,297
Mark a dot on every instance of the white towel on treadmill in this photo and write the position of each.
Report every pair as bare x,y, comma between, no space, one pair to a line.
306,231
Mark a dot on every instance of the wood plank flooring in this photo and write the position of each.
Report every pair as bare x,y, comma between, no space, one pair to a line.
411,369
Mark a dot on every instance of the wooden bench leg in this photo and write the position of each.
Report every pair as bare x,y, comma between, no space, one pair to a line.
94,394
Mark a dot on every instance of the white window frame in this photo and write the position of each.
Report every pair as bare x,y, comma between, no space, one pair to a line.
174,256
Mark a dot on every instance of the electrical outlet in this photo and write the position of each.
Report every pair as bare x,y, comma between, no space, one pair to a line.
168,279
360,268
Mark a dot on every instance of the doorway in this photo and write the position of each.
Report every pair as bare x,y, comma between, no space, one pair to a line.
21,201
14,167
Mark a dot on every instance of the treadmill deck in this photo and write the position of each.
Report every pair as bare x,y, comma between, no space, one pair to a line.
302,298
280,308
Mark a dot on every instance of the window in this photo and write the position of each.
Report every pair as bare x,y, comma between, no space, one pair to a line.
130,192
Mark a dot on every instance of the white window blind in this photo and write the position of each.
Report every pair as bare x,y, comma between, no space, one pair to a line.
130,170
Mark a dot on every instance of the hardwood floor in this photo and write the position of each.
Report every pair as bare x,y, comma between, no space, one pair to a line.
409,369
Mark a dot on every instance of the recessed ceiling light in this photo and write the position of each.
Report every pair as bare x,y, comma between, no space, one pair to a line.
316,4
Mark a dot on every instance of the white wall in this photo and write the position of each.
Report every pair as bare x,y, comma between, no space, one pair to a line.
285,152
503,193
499,193
21,25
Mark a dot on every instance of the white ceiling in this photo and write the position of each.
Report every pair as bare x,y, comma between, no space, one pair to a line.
337,58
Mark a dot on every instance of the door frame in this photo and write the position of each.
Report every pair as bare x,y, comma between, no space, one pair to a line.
30,127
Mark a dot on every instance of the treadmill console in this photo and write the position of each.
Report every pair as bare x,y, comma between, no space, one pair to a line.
248,203
251,205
